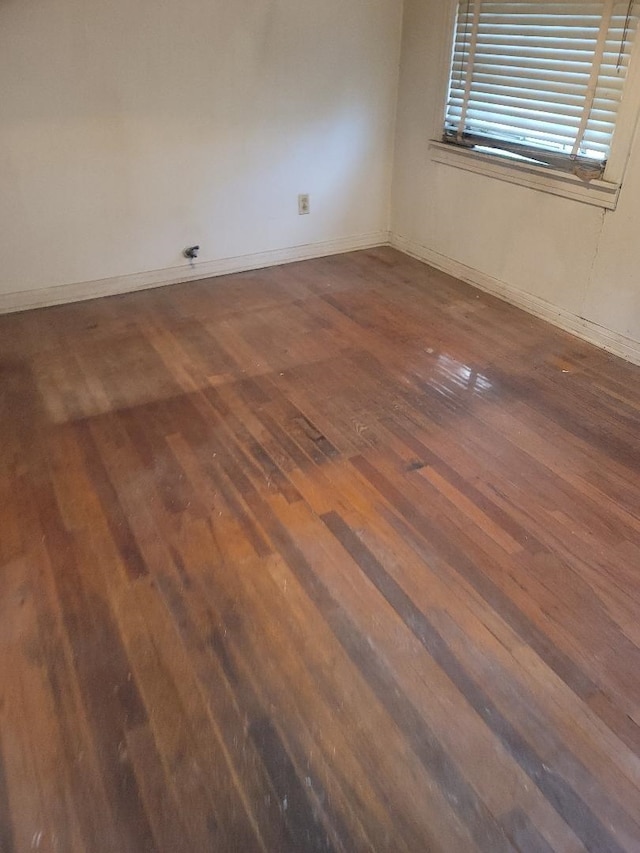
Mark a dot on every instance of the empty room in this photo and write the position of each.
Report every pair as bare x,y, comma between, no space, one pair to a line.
319,426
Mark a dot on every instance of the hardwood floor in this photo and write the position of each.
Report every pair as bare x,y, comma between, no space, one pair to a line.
338,556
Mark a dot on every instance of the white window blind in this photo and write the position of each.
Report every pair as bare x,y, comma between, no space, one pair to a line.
540,80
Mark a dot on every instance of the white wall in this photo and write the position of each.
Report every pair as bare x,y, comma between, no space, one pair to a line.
549,253
129,130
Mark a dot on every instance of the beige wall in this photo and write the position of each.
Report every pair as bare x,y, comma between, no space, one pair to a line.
129,130
539,248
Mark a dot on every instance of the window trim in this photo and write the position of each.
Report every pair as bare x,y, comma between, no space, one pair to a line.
603,192
597,192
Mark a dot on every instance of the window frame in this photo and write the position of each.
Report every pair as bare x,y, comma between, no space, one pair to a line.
602,192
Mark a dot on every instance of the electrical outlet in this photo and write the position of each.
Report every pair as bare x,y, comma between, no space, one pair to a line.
303,204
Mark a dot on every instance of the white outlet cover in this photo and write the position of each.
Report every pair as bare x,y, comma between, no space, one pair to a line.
304,206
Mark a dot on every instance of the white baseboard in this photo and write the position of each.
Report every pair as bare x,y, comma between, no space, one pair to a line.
78,291
620,345
615,343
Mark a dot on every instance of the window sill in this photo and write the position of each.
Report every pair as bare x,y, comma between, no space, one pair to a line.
598,192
